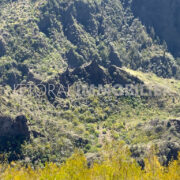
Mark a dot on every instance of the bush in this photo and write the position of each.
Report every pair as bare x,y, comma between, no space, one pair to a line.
117,164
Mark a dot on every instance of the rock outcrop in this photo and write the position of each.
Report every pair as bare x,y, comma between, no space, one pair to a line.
13,127
95,74
92,74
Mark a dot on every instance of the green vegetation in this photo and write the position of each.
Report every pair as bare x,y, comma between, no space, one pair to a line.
50,35
78,42
116,164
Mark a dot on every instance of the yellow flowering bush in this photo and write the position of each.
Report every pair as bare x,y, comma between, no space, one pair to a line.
116,164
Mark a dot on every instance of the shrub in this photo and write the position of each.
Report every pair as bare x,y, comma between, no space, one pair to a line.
116,164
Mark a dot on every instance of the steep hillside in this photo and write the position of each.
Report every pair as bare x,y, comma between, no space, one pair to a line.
79,113
164,17
89,74
50,35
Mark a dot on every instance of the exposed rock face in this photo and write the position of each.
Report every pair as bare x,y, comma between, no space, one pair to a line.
164,16
92,74
95,74
13,127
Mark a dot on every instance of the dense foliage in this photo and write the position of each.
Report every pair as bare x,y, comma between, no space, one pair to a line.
38,41
116,164
50,35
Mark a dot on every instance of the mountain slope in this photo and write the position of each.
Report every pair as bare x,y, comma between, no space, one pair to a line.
49,36
164,17
75,61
